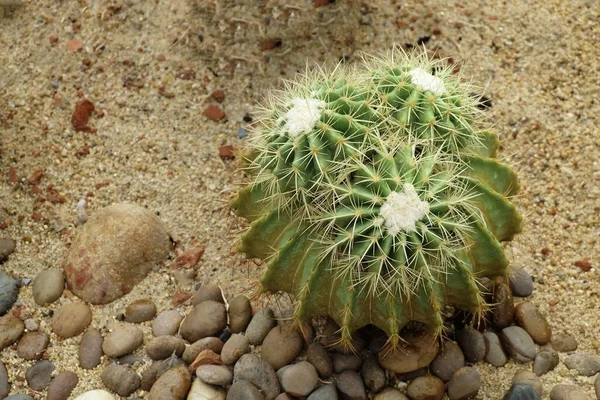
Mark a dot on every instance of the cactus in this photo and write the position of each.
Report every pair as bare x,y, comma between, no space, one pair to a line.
376,197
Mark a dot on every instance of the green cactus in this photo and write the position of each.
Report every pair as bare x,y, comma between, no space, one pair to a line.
376,199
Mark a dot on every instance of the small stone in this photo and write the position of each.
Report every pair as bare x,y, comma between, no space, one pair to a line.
234,348
122,340
520,391
188,259
240,314
39,375
19,397
567,392
214,113
464,384
390,394
215,374
204,391
62,386
31,325
131,359
426,387
48,286
526,377
244,390
596,385
320,358
585,364
167,323
494,353
351,386
299,379
260,325
208,292
32,345
448,361
7,247
281,346
415,350
172,385
149,375
71,319
518,344
96,395
564,343
120,379
545,361
141,310
503,311
252,368
164,346
9,292
207,318
472,344
372,374
520,282
209,343
11,329
345,362
326,392
4,384
90,349
534,322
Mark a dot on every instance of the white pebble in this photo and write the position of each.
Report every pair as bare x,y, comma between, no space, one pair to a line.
96,395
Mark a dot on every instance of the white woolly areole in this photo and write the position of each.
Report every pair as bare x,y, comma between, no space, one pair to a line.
426,81
303,116
401,210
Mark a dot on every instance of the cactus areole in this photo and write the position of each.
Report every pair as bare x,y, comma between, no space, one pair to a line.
375,196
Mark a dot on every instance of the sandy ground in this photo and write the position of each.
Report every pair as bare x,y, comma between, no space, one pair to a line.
150,67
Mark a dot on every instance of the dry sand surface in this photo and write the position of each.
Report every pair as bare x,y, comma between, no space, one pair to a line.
145,68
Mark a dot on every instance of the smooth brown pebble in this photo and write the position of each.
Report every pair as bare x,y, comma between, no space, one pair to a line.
167,323
281,346
139,311
11,329
448,361
215,374
120,379
426,387
567,392
90,349
564,343
534,322
32,345
318,356
526,377
210,292
122,340
208,343
464,384
234,348
240,314
48,286
172,385
164,346
71,319
415,350
390,394
62,386
206,319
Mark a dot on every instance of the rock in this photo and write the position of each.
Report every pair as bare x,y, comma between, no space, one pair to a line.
215,374
164,346
120,379
472,343
203,391
209,343
167,323
520,391
234,348
326,392
503,310
11,329
564,343
596,386
96,395
172,385
149,375
4,384
240,314
415,350
534,322
141,310
7,247
526,377
426,387
299,379
252,368
448,361
545,361
567,392
260,325
62,386
90,349
131,359
372,374
9,291
345,362
39,375
390,394
19,397
114,251
122,340
281,346
585,364
244,390
320,359
48,286
71,319
520,282
206,319
32,345
210,292
171,362
31,325
351,386
464,384
517,343
494,353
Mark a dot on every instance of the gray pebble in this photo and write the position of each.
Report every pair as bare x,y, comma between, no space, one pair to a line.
390,394
139,311
320,358
521,392
518,344
164,346
215,374
4,384
7,247
234,348
62,386
210,292
48,286
39,375
211,343
260,325
345,362
520,282
31,325
426,387
19,397
448,361
585,364
32,345
545,361
299,379
240,314
206,319
464,384
527,377
372,374
494,353
149,375
204,391
327,392
260,373
564,343
281,346
567,392
9,291
120,379
90,349
244,390
122,340
351,386
472,344
167,323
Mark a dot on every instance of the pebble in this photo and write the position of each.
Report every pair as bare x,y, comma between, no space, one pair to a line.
96,395
567,392
71,319
260,325
48,286
244,390
9,292
415,350
448,361
564,343
203,391
148,375
494,353
518,344
596,386
170,362
117,247
209,292
281,346
318,356
240,314
472,343
545,361
164,346
7,247
585,364
11,329
326,392
131,359
39,375
351,386
345,362
464,384
520,282
426,387
206,319
19,397
534,322
526,377
215,374
122,340
90,349
234,348
4,384
390,394
174,384
32,345
167,323
503,311
141,310
120,379
31,325
299,379
372,374
252,368
209,343
519,391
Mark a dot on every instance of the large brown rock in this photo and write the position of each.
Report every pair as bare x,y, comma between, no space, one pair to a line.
114,251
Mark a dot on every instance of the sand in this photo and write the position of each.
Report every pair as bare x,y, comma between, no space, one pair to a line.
144,66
